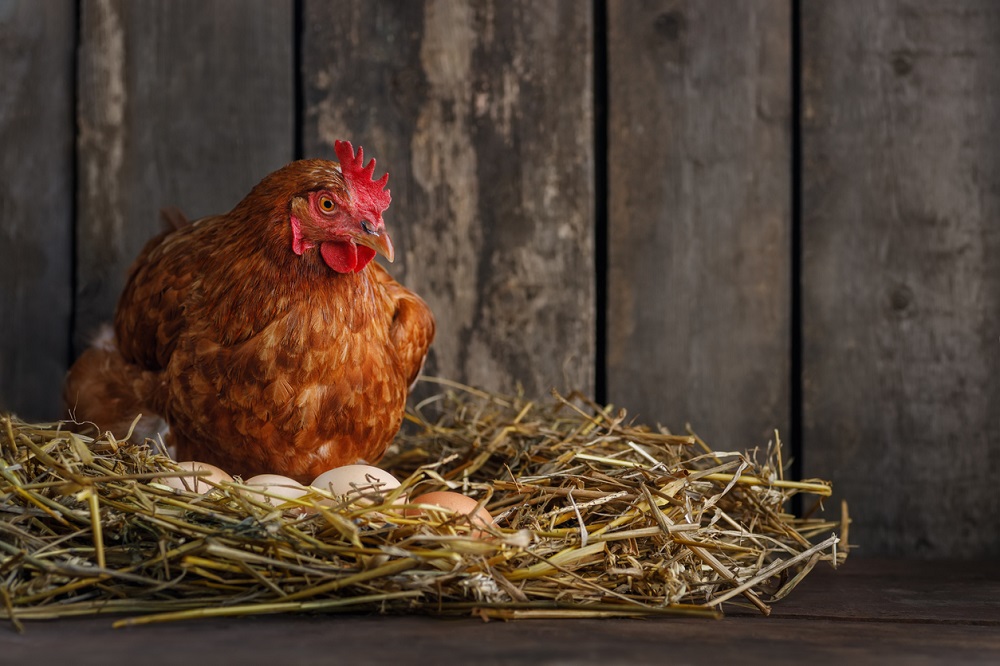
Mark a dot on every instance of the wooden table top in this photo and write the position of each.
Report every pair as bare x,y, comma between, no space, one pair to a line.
870,611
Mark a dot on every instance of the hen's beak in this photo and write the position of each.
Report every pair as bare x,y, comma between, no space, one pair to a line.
376,240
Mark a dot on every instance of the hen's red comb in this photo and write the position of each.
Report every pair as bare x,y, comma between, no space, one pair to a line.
359,176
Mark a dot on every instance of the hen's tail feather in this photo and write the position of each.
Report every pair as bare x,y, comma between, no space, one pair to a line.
104,389
172,219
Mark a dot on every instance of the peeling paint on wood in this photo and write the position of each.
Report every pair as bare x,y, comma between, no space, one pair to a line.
482,114
186,104
101,150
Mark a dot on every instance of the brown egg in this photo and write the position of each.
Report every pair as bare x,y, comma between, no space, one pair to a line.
360,483
275,484
193,483
457,503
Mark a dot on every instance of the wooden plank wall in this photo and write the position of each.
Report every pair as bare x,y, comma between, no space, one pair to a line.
187,104
901,268
699,160
482,112
36,201
503,184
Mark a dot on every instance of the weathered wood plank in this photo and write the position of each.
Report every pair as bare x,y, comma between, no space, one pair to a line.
699,202
884,590
425,640
897,626
186,103
482,114
901,269
36,202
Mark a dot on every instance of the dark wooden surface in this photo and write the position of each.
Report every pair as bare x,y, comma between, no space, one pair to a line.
901,269
186,104
36,201
868,612
482,113
699,282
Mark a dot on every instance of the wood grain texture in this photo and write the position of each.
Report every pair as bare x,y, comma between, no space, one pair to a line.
859,615
36,203
699,202
482,114
187,103
889,590
901,270
423,641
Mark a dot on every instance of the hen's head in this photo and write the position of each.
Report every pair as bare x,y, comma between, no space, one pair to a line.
333,209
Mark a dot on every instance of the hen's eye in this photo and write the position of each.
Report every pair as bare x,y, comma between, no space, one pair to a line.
326,203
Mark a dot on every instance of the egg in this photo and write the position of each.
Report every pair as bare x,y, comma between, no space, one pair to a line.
275,484
196,484
357,482
457,503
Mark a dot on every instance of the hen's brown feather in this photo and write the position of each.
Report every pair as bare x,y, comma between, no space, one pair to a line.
104,389
261,360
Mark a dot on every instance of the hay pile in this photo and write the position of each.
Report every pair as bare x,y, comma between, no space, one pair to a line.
596,517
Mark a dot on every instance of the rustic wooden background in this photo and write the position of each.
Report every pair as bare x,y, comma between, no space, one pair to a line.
742,214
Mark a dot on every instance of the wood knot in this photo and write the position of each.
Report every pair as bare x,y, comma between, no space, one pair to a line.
902,63
900,299
669,26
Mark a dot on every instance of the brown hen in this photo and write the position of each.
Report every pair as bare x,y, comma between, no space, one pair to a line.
266,338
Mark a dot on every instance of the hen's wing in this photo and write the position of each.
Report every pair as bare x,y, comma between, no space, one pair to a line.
151,309
412,325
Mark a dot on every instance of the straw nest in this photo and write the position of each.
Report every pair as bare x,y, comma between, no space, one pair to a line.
596,517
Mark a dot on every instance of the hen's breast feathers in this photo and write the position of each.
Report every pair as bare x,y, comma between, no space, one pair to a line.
253,359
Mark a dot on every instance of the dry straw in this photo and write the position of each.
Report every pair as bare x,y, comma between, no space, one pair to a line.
596,517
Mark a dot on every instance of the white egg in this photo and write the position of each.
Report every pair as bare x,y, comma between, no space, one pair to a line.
283,487
356,482
196,484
